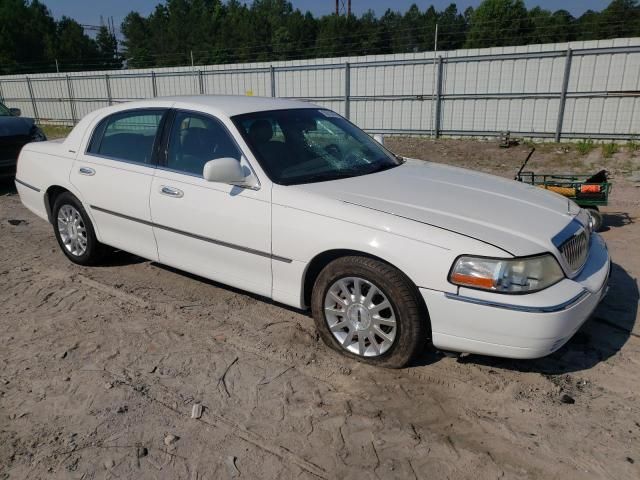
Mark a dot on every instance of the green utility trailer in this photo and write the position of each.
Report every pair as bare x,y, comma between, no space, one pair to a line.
588,191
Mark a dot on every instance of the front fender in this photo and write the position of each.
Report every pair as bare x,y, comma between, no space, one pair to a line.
422,252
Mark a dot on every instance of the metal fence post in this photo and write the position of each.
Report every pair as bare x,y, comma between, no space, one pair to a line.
438,107
272,74
72,105
109,97
563,94
200,82
33,100
347,90
154,87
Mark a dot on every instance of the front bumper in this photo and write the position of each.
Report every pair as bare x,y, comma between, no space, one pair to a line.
519,326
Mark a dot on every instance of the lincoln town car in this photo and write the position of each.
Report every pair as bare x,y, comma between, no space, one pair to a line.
294,203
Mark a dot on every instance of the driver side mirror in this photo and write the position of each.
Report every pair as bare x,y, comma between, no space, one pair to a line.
15,112
379,138
224,170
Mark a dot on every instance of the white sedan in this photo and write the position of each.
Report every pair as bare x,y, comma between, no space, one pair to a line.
291,201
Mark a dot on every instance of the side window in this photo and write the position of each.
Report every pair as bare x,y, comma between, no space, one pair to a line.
127,136
196,139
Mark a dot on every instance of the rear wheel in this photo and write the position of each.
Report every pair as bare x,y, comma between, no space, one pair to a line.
74,231
368,310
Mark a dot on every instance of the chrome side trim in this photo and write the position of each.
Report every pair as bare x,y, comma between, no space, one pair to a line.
193,235
520,308
27,185
121,160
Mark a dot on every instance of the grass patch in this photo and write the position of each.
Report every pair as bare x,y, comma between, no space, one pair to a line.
585,146
609,149
55,131
633,145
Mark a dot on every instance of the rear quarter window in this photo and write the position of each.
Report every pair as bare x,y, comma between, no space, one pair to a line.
128,136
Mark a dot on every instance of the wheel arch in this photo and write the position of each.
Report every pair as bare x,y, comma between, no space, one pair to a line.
321,260
50,196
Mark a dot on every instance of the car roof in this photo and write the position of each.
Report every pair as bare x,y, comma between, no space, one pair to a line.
231,105
220,105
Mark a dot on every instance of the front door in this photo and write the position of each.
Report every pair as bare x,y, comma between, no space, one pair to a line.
219,231
114,176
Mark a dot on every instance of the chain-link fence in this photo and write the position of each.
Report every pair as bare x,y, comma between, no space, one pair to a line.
580,90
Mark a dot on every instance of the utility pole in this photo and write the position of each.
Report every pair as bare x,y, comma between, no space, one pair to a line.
342,8
436,74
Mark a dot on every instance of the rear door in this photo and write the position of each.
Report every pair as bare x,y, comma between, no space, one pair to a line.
114,176
215,230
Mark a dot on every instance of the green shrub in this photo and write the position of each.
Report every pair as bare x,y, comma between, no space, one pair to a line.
585,146
608,149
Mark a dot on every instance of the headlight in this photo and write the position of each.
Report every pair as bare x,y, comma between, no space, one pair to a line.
37,135
502,275
590,222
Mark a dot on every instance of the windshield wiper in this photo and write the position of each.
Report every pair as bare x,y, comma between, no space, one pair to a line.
382,168
325,177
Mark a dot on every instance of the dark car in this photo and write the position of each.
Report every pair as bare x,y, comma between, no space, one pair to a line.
15,132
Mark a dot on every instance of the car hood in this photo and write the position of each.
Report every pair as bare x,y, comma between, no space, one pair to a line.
517,218
15,126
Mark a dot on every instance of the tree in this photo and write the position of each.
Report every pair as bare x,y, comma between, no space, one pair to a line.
224,31
620,19
452,28
497,23
551,27
27,36
137,41
107,46
74,50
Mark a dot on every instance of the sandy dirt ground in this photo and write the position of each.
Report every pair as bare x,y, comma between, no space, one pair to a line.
101,367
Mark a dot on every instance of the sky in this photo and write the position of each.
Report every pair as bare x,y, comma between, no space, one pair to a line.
89,11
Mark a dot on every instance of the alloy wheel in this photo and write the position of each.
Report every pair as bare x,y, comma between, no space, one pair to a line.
72,230
360,316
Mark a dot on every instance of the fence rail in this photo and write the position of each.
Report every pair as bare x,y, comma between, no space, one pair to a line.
548,91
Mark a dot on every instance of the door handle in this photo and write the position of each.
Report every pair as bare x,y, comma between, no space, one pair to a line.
87,171
171,192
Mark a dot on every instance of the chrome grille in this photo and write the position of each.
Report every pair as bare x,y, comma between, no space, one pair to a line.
575,250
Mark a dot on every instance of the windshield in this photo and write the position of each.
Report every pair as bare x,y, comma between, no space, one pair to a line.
311,145
4,111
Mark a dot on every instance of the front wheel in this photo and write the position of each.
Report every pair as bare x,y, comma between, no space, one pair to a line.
74,231
368,310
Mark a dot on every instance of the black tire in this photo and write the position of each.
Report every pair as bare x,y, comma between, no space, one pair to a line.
411,319
598,220
95,251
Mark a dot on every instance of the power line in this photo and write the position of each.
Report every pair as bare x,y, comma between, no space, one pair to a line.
182,59
402,40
